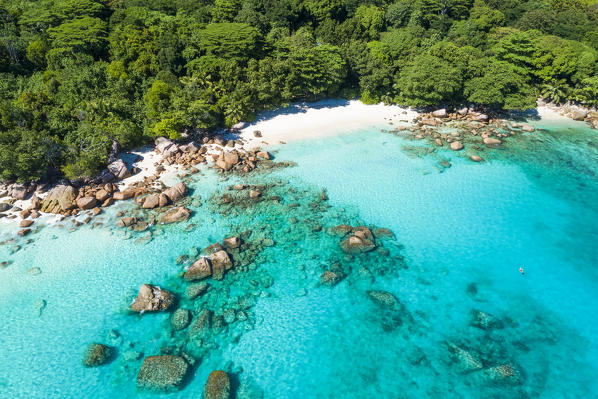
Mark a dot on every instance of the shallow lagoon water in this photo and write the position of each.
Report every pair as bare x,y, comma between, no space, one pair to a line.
463,231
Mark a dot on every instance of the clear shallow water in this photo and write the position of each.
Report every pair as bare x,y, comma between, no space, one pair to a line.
463,234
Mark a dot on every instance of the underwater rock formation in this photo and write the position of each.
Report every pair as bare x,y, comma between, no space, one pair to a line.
217,386
175,215
162,373
360,241
180,319
97,355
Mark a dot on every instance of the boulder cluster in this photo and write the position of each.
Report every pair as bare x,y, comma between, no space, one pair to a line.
215,264
230,156
469,128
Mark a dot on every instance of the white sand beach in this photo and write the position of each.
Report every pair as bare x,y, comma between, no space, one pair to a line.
304,121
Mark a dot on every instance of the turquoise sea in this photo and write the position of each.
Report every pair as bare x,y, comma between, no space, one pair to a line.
465,312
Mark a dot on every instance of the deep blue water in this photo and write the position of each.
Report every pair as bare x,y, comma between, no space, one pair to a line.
461,235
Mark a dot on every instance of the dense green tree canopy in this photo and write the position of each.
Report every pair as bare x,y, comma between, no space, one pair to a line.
75,75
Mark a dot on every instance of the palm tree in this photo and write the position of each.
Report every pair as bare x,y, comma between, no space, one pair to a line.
555,91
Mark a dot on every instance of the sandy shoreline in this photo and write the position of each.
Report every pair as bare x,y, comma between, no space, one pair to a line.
321,119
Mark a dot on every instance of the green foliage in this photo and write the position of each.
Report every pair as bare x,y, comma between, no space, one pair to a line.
168,127
230,40
77,74
225,10
315,72
85,34
428,80
370,20
500,85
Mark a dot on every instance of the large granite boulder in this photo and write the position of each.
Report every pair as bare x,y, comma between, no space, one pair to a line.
232,242
152,299
119,169
166,147
151,201
214,265
200,269
123,195
440,113
60,199
456,146
579,114
175,215
20,191
491,141
87,202
221,262
36,202
217,386
162,373
176,192
97,355
226,160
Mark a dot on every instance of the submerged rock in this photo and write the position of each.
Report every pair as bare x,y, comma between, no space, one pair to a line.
383,298
152,299
330,278
491,141
202,325
217,386
180,319
355,244
505,374
340,230
195,290
456,146
464,360
162,373
175,215
383,232
485,321
97,355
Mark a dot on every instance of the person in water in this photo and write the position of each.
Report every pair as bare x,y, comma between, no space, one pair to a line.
521,270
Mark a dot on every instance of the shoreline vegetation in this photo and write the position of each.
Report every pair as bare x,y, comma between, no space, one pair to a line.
81,80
